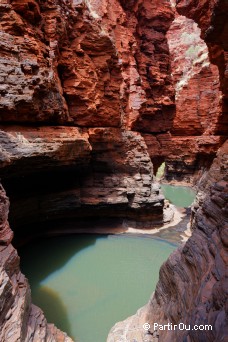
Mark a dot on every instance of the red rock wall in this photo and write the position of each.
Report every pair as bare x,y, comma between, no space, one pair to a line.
193,282
186,157
63,173
84,63
212,19
196,81
191,143
88,64
192,288
152,58
103,66
107,64
75,63
30,88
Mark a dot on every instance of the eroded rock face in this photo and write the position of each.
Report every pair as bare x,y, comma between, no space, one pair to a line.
90,64
200,268
102,67
211,17
19,319
193,282
30,88
62,173
192,287
198,99
87,63
186,157
107,64
152,20
189,147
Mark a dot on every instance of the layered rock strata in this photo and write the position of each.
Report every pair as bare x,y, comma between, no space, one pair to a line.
186,157
85,64
189,147
100,66
75,63
149,22
104,67
62,173
211,17
192,287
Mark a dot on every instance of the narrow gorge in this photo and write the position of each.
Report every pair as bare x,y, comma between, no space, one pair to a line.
95,97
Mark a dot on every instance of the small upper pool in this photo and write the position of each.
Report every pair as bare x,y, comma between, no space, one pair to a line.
87,283
181,196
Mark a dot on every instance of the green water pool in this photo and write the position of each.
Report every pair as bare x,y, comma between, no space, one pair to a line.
87,283
181,196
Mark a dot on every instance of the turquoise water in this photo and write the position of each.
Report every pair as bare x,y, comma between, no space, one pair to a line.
87,283
181,196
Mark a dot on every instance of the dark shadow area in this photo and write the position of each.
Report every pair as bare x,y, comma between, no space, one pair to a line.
45,297
157,162
38,253
65,227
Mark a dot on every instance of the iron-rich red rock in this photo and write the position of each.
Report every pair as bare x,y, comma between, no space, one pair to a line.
192,288
211,17
104,68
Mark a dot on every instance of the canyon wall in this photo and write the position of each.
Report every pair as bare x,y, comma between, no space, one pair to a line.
192,287
190,145
93,99
100,72
87,63
77,80
59,174
97,66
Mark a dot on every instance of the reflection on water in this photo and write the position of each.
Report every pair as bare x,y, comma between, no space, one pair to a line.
181,196
87,283
48,298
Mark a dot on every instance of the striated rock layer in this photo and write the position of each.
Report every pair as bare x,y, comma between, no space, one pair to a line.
107,63
190,146
211,17
63,173
101,66
192,288
103,70
86,63
87,104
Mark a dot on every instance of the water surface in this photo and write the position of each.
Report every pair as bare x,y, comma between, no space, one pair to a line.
181,196
87,283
